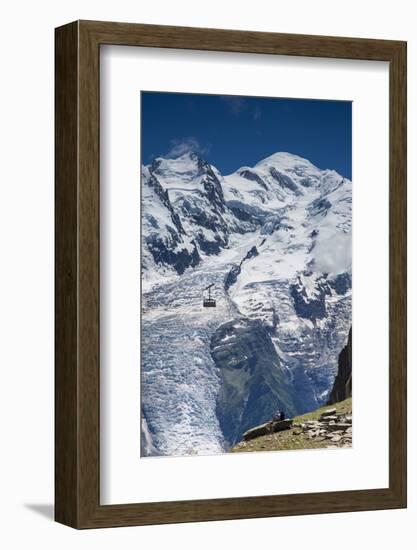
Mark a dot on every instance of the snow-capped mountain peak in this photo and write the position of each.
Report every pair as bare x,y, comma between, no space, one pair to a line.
187,167
284,160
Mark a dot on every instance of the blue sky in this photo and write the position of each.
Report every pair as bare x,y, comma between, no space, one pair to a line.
235,131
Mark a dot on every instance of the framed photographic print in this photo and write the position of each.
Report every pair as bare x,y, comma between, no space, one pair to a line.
230,274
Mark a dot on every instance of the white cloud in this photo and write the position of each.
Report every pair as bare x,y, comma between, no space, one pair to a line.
334,254
186,145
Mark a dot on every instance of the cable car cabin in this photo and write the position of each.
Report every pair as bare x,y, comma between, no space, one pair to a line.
209,302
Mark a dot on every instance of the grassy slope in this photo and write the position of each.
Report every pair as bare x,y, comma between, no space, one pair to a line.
287,440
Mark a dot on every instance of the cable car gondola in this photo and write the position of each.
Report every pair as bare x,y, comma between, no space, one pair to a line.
209,302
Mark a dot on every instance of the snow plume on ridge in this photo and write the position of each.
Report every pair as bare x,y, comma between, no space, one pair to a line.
275,241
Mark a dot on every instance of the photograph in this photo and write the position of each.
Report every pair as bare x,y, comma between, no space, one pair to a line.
246,274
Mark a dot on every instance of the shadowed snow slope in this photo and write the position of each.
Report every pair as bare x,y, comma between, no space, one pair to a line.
275,240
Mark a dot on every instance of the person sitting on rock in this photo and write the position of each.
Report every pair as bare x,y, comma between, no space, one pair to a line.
282,415
278,416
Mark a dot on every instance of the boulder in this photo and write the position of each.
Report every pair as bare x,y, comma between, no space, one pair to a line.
257,431
329,418
267,428
281,425
343,426
328,412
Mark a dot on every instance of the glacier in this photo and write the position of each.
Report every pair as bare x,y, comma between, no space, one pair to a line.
275,240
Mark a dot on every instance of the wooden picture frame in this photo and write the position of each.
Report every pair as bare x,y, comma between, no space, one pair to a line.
77,408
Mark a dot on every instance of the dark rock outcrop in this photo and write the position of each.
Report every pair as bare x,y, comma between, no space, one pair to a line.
319,206
163,254
342,387
342,283
285,181
312,308
235,270
267,428
252,176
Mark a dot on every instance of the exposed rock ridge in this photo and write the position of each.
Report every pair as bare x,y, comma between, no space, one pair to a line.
342,387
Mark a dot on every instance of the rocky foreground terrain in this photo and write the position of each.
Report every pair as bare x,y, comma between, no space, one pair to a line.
327,427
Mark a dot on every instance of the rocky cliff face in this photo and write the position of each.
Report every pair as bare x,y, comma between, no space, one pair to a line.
185,215
166,245
253,384
342,386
